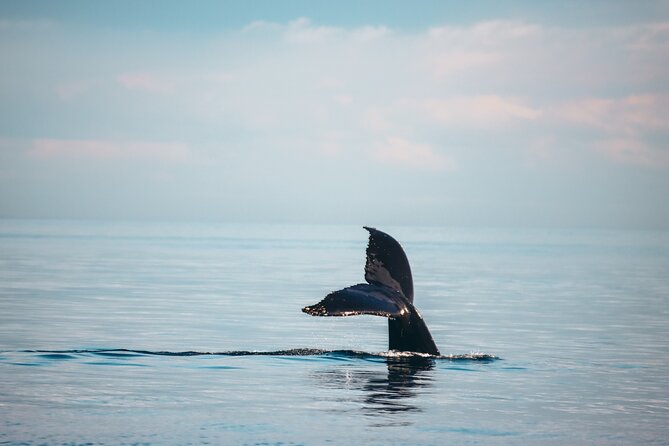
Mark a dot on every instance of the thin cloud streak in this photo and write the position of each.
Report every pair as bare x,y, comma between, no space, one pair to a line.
147,82
410,155
46,149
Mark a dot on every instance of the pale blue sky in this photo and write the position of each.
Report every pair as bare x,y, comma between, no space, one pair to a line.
497,113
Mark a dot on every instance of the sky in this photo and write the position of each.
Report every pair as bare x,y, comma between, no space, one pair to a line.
484,113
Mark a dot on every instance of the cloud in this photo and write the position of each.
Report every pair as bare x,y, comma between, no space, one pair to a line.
634,152
146,82
343,100
453,61
409,155
498,78
73,89
489,32
629,115
108,150
523,107
330,83
260,25
370,33
630,130
482,111
302,31
651,37
454,49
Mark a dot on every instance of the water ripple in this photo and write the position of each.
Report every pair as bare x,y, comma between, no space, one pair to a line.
297,352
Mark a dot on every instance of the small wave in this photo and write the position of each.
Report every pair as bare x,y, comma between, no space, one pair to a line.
392,354
474,356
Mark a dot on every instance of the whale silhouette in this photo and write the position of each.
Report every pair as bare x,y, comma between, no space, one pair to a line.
388,293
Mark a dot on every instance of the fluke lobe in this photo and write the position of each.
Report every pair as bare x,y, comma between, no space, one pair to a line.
388,292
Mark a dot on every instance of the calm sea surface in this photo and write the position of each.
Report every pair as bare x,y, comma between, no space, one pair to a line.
119,333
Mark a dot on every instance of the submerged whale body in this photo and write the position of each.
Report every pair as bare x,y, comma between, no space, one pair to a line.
388,293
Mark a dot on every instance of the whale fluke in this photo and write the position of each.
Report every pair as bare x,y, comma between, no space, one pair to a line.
388,293
360,299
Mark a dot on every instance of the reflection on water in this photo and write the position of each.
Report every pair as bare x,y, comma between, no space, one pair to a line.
390,392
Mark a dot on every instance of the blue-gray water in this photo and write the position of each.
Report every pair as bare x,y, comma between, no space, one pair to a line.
580,320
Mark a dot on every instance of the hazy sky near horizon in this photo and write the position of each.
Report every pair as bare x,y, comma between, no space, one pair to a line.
374,112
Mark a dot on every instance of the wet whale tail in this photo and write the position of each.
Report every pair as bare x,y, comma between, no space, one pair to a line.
388,293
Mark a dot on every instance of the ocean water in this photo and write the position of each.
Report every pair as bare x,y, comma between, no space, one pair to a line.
145,333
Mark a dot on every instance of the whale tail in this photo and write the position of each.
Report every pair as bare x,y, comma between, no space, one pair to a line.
388,293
